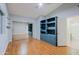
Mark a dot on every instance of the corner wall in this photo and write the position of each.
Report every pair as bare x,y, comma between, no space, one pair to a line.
4,37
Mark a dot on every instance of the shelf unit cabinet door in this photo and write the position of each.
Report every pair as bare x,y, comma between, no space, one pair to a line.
52,39
43,37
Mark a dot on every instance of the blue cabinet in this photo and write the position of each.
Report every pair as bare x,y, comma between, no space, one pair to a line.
49,30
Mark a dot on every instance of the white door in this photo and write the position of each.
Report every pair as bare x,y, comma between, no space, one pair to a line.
74,31
75,35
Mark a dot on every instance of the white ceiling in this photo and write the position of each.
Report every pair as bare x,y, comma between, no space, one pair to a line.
31,9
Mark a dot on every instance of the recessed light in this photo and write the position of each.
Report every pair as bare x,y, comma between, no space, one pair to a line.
40,5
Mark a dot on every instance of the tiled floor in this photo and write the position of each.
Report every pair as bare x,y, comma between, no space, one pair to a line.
32,46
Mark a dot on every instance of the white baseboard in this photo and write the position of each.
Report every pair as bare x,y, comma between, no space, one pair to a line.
20,36
4,47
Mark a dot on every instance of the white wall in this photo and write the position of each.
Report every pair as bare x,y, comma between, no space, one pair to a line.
20,28
62,31
37,27
4,38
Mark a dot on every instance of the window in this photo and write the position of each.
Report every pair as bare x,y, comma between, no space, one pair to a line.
1,14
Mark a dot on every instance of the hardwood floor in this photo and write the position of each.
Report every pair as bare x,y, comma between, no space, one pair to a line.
32,46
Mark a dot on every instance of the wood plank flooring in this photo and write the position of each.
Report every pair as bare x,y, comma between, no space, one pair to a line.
33,46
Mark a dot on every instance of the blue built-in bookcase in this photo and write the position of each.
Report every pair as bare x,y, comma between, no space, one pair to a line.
49,30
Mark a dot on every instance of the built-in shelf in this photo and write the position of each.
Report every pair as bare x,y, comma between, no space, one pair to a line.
51,28
51,19
43,32
48,30
52,31
43,26
43,21
51,24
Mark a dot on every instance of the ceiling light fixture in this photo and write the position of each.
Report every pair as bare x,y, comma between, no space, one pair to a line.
40,5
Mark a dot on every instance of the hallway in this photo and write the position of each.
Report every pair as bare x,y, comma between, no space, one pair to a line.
34,47
34,29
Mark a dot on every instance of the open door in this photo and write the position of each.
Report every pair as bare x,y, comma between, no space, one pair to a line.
74,34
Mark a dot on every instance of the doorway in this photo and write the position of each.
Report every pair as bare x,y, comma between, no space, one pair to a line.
73,34
30,29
